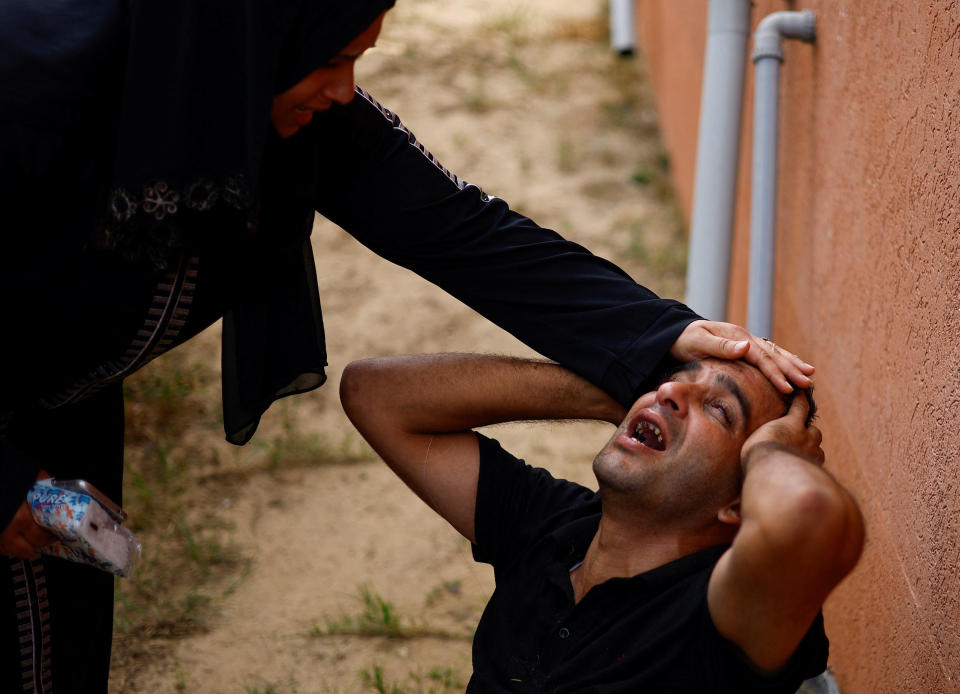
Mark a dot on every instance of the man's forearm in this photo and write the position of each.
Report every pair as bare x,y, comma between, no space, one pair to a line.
417,411
434,394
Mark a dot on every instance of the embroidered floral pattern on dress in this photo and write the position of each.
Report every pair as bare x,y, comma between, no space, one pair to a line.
122,205
235,192
201,196
160,199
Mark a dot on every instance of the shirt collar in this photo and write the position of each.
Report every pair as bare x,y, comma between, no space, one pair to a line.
572,540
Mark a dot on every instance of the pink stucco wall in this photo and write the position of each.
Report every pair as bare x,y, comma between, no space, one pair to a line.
868,289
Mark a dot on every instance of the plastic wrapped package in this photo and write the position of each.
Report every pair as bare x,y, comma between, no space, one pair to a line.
87,523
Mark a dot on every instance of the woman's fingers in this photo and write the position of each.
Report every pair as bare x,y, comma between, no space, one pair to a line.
781,367
23,537
791,359
704,338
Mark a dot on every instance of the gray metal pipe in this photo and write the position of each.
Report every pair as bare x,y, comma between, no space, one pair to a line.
623,37
718,153
767,57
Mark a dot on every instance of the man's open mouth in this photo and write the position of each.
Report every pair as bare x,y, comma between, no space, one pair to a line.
649,435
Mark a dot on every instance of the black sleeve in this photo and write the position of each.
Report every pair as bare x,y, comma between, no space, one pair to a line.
515,502
384,188
732,672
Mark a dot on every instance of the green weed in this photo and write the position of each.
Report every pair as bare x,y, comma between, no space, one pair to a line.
437,592
293,448
438,680
374,679
523,71
446,677
378,618
181,679
273,688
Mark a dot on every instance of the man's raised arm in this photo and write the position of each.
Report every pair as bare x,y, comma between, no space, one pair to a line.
800,534
417,412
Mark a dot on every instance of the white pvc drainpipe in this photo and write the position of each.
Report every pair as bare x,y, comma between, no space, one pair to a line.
718,154
767,58
622,33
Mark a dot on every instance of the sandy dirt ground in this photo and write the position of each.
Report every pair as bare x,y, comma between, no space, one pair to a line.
526,100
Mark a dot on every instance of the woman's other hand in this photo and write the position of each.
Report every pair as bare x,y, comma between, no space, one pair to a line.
23,537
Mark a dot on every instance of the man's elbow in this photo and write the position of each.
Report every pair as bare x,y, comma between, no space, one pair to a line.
353,384
824,522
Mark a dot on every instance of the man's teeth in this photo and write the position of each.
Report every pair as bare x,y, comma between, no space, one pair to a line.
645,428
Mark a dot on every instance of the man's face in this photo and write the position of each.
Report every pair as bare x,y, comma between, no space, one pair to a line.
679,446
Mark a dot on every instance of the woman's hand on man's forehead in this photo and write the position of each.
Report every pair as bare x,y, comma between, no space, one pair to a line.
702,338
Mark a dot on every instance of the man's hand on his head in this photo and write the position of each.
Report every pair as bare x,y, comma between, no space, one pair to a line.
800,533
789,431
704,338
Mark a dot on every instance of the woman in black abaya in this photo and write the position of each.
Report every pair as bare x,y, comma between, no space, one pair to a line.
160,166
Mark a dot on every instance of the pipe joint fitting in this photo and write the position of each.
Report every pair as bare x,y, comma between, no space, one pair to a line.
775,27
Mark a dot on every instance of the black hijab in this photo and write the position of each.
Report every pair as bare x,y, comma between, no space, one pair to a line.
148,122
200,77
185,85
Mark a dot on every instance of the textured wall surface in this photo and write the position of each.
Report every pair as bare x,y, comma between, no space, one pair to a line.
868,289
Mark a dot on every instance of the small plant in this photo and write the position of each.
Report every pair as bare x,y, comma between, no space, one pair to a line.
438,680
378,618
374,679
272,688
445,676
435,593
293,447
523,71
181,683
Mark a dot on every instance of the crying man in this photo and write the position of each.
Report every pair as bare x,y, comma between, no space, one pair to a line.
700,565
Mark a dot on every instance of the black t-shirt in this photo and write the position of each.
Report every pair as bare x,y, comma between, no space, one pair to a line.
651,633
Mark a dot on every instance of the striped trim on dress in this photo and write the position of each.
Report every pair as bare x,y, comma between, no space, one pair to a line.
33,625
165,319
